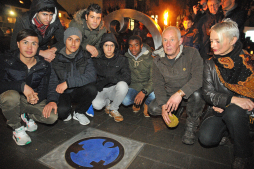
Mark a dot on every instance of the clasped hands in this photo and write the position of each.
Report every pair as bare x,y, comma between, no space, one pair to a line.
31,96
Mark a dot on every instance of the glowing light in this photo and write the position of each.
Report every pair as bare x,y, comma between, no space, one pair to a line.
59,15
21,2
12,13
165,18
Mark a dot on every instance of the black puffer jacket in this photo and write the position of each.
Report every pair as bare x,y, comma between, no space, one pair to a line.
14,74
54,29
77,72
110,71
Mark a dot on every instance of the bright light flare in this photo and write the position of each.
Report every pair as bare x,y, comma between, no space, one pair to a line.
165,18
12,13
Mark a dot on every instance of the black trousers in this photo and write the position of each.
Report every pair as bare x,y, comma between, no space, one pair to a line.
82,96
235,121
194,106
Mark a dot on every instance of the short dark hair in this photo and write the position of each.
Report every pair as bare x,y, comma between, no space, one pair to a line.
47,9
94,8
135,37
25,33
186,18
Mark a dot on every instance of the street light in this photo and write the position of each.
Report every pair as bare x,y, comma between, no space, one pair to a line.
12,13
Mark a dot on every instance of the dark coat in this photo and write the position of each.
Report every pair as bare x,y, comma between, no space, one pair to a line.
113,70
237,15
186,73
204,26
76,72
14,75
25,22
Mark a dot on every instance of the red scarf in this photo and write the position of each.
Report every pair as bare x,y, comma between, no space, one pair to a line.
40,26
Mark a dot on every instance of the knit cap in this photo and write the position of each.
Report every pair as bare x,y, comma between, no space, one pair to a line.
72,31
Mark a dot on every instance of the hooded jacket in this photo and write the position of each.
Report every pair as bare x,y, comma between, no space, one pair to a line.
110,71
14,75
141,69
77,72
26,22
186,73
90,37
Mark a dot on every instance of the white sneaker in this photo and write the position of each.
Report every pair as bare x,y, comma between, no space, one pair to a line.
68,118
81,118
20,136
30,124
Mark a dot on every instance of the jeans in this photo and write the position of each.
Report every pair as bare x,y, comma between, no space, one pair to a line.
13,104
83,96
132,93
234,121
115,93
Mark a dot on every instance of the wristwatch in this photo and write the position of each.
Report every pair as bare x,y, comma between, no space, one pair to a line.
144,91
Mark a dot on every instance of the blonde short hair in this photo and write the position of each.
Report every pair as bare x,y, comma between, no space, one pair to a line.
227,27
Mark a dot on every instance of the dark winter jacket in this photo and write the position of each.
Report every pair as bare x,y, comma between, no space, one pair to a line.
26,22
14,75
141,69
204,26
237,15
110,71
186,73
190,38
90,37
77,72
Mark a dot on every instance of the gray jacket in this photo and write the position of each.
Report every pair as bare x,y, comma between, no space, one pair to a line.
186,73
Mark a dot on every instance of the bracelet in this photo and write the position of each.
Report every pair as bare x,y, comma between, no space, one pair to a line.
181,93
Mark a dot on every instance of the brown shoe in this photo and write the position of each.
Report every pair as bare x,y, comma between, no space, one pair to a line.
135,109
146,111
107,109
117,116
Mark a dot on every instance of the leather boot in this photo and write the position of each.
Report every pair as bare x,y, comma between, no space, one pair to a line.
190,130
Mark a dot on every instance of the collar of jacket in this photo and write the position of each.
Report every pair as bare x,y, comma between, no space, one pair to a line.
70,56
160,52
62,57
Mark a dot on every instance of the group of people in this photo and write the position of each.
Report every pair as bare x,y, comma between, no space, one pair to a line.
85,67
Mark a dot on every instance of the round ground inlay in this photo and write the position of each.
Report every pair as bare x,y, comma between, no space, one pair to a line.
94,152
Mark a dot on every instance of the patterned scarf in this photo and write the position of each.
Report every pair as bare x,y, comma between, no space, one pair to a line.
40,26
236,71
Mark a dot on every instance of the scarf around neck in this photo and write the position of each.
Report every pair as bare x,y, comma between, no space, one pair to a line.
236,71
40,26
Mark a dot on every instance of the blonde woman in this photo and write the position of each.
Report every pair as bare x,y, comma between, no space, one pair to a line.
228,86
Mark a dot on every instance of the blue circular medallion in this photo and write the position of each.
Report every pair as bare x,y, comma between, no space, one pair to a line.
94,152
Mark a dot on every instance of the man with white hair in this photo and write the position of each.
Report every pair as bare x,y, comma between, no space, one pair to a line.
177,78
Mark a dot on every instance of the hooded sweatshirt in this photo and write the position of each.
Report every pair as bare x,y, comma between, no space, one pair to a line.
141,69
26,22
110,71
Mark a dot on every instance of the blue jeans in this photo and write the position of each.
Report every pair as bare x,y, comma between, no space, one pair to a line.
132,93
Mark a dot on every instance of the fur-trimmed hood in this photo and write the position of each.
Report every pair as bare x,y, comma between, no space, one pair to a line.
80,19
